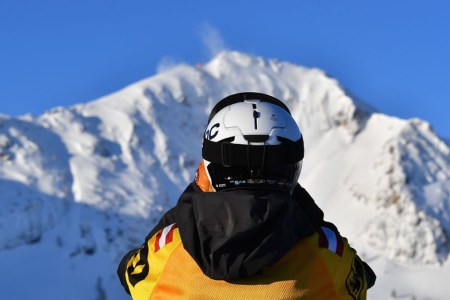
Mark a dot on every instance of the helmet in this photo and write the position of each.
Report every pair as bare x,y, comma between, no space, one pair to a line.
251,141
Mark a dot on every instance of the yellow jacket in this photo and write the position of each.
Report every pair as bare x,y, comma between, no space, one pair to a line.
318,264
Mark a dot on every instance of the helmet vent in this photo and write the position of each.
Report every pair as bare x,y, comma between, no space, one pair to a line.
229,140
256,138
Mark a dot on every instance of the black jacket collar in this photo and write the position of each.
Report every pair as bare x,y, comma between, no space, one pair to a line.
236,234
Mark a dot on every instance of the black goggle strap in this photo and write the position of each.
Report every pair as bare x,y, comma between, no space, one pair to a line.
228,154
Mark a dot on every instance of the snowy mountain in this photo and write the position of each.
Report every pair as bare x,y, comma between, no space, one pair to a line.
80,186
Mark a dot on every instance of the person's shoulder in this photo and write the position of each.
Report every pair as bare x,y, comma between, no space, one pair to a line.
324,245
328,247
166,237
159,247
351,276
147,264
347,266
330,239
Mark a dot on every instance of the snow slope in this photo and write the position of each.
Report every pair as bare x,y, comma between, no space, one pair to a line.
80,186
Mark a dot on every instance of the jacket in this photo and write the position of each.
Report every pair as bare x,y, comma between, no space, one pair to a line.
245,245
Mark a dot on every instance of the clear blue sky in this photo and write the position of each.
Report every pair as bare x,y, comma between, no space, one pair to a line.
394,55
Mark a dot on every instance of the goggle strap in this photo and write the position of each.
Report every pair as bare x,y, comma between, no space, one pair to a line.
228,154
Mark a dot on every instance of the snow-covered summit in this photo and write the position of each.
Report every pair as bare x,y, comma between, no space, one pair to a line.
89,181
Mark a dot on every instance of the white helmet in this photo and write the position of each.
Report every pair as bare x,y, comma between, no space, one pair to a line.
252,141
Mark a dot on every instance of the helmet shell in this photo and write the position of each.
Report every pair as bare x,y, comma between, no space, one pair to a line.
252,122
252,118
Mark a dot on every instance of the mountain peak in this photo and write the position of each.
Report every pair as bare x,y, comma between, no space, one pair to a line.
77,178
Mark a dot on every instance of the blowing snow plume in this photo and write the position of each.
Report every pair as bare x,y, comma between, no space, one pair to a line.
212,40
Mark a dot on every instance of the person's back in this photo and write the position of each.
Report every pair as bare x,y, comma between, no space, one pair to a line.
244,229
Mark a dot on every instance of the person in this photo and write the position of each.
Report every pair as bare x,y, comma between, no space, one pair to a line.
244,228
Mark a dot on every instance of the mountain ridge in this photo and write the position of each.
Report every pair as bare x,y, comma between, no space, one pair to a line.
107,169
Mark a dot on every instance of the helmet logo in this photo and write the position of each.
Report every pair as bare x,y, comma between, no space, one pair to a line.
238,182
209,135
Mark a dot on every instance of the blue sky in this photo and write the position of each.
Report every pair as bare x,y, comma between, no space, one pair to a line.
394,55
